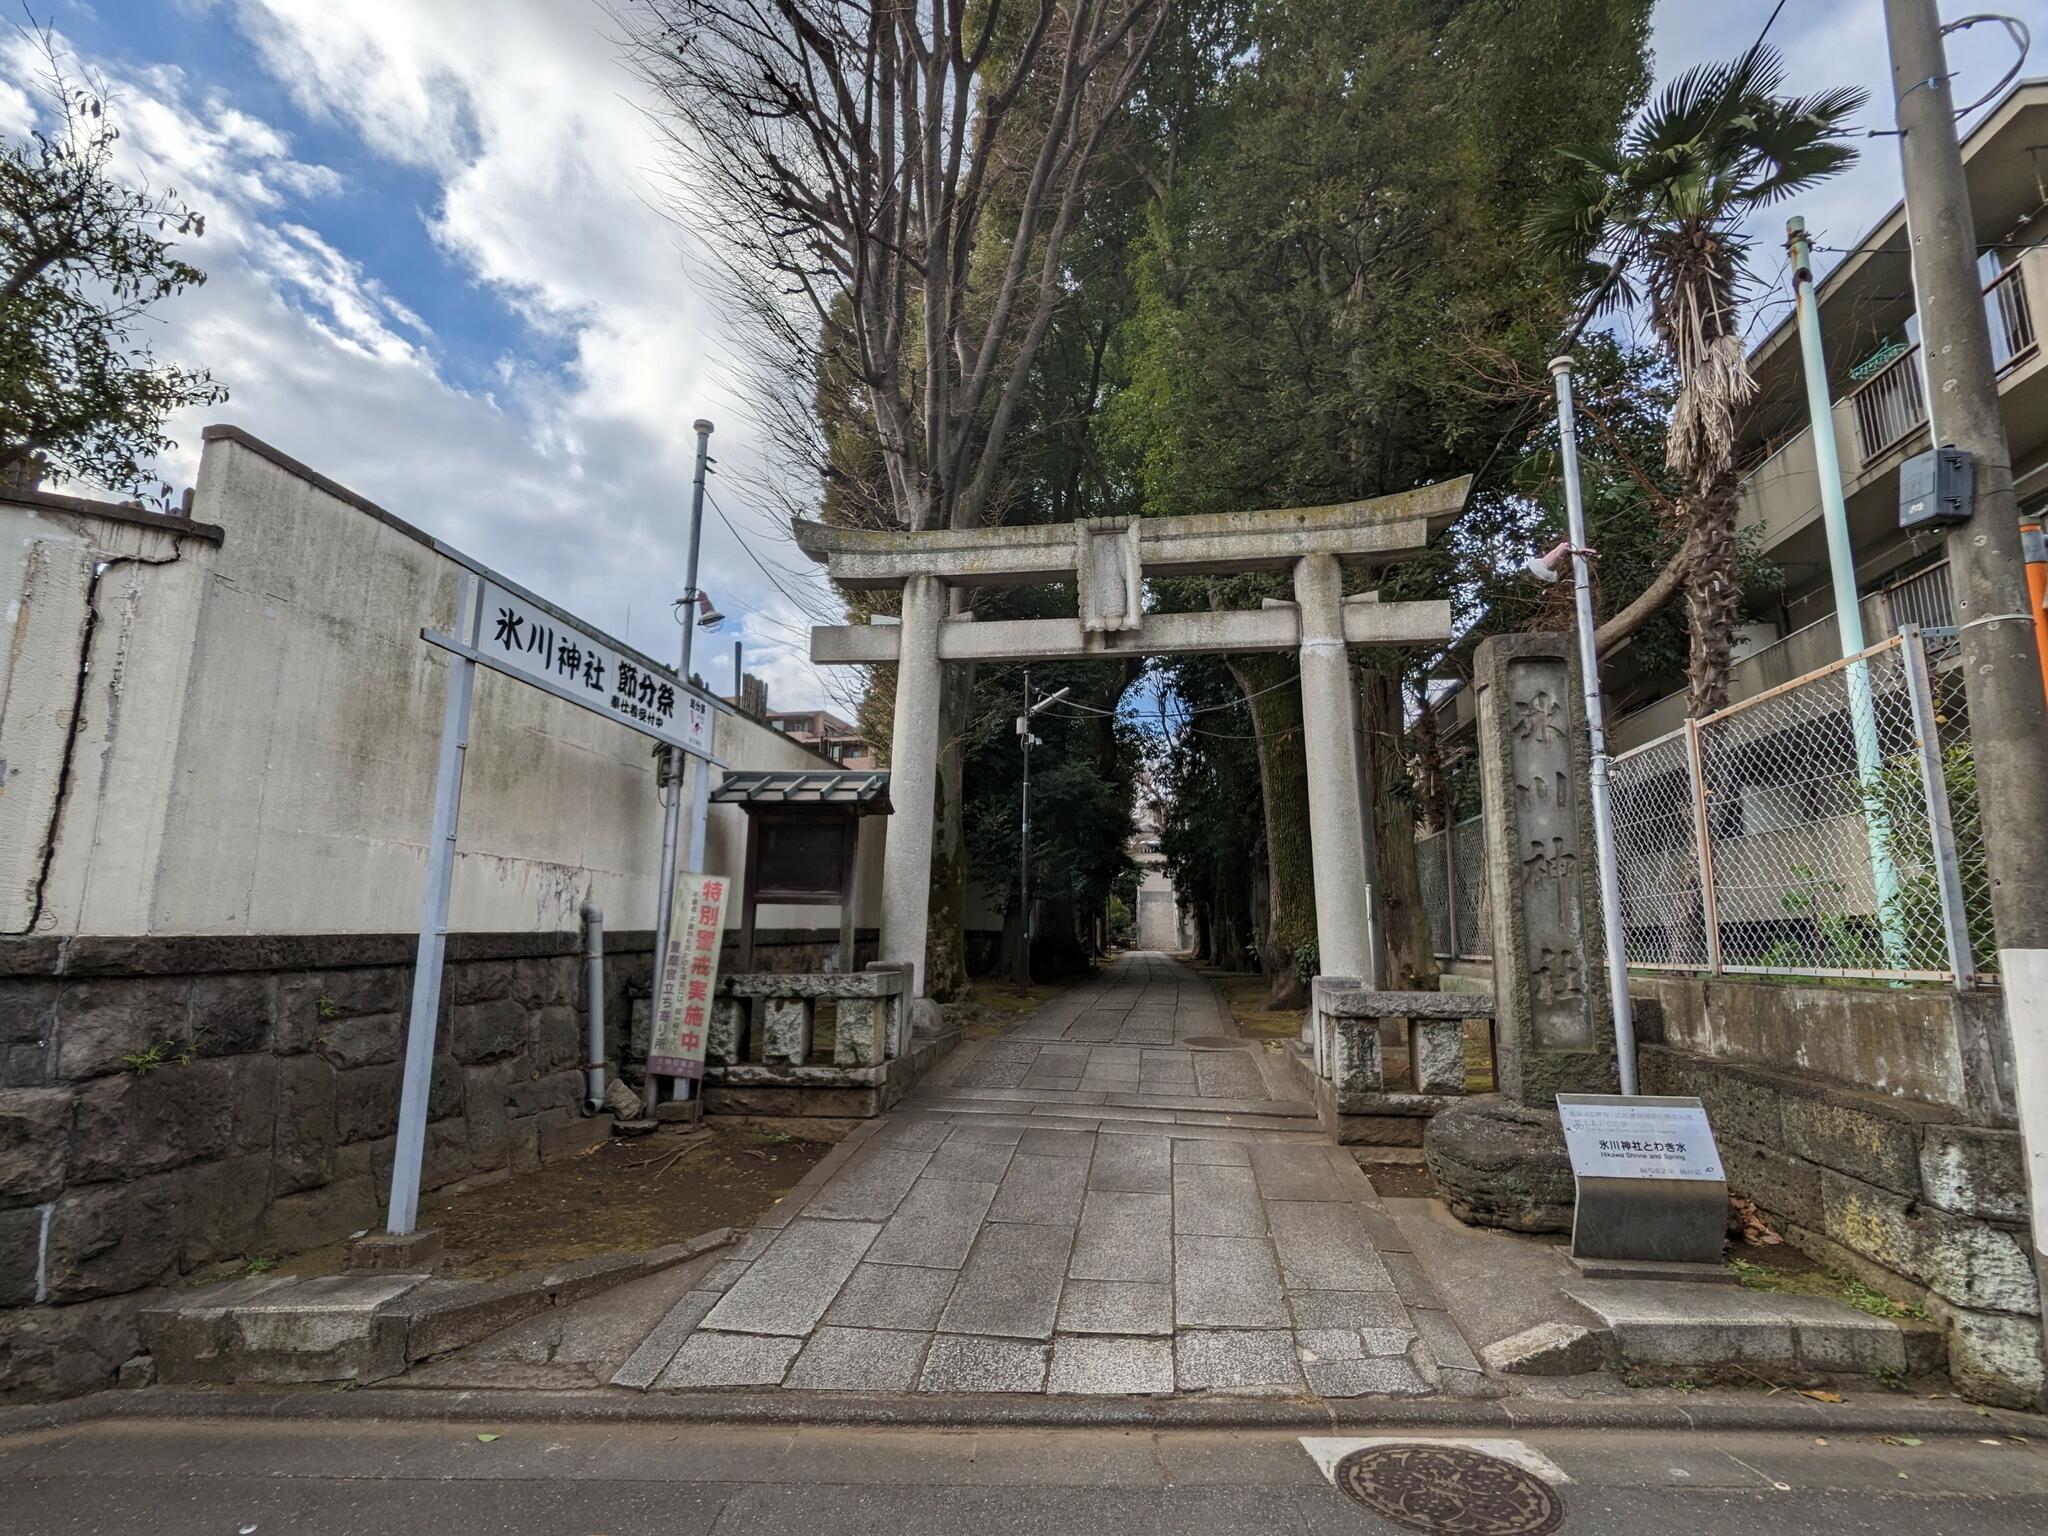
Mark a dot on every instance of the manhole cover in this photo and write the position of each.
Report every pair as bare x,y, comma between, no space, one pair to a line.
1449,1490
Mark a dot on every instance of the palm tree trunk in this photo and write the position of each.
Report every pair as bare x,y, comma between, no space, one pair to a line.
1713,592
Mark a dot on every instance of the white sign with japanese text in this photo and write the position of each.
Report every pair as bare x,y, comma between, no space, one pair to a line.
689,976
1612,1136
523,639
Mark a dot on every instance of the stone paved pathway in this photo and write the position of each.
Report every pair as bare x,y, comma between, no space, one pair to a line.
1116,1196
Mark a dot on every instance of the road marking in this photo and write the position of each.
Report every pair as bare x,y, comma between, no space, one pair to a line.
1326,1451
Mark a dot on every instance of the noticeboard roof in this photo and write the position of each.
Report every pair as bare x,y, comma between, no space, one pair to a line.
860,793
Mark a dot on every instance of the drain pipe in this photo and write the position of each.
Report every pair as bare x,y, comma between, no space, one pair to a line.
593,991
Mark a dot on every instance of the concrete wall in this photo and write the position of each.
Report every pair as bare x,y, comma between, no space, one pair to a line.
129,583
257,743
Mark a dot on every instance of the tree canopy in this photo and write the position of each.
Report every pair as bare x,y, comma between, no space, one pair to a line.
84,255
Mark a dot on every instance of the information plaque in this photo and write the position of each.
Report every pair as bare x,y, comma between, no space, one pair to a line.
1610,1136
1648,1179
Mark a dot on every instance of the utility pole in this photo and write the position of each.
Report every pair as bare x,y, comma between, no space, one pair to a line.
2001,666
672,758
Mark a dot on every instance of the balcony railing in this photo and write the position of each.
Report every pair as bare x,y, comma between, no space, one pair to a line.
1924,598
2012,321
1891,404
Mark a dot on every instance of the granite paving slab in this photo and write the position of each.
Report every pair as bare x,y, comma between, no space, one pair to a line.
1295,1172
1091,1364
788,1288
730,1360
1322,1247
892,1296
1011,1285
1044,1191
870,1184
1140,1165
970,1162
957,1363
1052,1143
935,1224
1124,1235
1116,1306
1236,1359
858,1360
1213,1201
1227,1282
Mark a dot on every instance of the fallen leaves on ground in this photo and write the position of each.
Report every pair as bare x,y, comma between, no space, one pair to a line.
1820,1395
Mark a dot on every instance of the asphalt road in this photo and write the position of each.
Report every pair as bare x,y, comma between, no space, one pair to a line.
244,1478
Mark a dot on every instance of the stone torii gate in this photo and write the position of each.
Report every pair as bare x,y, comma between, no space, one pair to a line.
1108,560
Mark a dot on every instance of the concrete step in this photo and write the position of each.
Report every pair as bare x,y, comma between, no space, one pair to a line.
1664,1323
1149,1102
1158,1122
366,1327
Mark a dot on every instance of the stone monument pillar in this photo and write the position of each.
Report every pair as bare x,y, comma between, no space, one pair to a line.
1553,1024
1501,1161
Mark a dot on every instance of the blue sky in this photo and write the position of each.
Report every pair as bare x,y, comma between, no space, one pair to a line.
440,275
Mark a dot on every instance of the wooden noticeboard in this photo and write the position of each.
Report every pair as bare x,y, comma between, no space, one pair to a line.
800,856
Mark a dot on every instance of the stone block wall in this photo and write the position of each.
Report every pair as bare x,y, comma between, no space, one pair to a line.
169,1104
1907,1196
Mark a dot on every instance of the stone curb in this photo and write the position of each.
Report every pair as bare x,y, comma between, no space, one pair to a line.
621,1406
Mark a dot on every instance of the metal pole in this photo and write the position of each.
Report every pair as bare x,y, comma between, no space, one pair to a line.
1955,917
424,1018
1834,512
593,1010
672,812
1596,729
1024,837
2001,667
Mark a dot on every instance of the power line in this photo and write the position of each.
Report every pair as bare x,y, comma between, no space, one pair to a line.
794,601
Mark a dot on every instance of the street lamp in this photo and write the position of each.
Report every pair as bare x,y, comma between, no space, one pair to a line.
1552,564
1024,839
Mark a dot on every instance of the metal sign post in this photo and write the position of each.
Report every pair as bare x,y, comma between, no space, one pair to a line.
515,634
426,974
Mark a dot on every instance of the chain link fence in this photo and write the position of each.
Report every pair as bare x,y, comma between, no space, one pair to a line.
1452,866
1826,827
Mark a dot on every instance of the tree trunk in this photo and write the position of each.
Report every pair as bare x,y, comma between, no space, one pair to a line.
1015,967
946,940
1713,593
1411,958
1290,857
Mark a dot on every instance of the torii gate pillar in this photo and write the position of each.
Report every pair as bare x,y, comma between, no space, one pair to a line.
913,781
1340,834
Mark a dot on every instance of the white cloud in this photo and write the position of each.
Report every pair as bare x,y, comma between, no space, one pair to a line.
575,478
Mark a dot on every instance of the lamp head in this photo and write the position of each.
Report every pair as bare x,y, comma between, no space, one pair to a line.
1545,569
708,617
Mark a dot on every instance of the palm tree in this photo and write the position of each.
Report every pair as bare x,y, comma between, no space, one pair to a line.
1658,217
